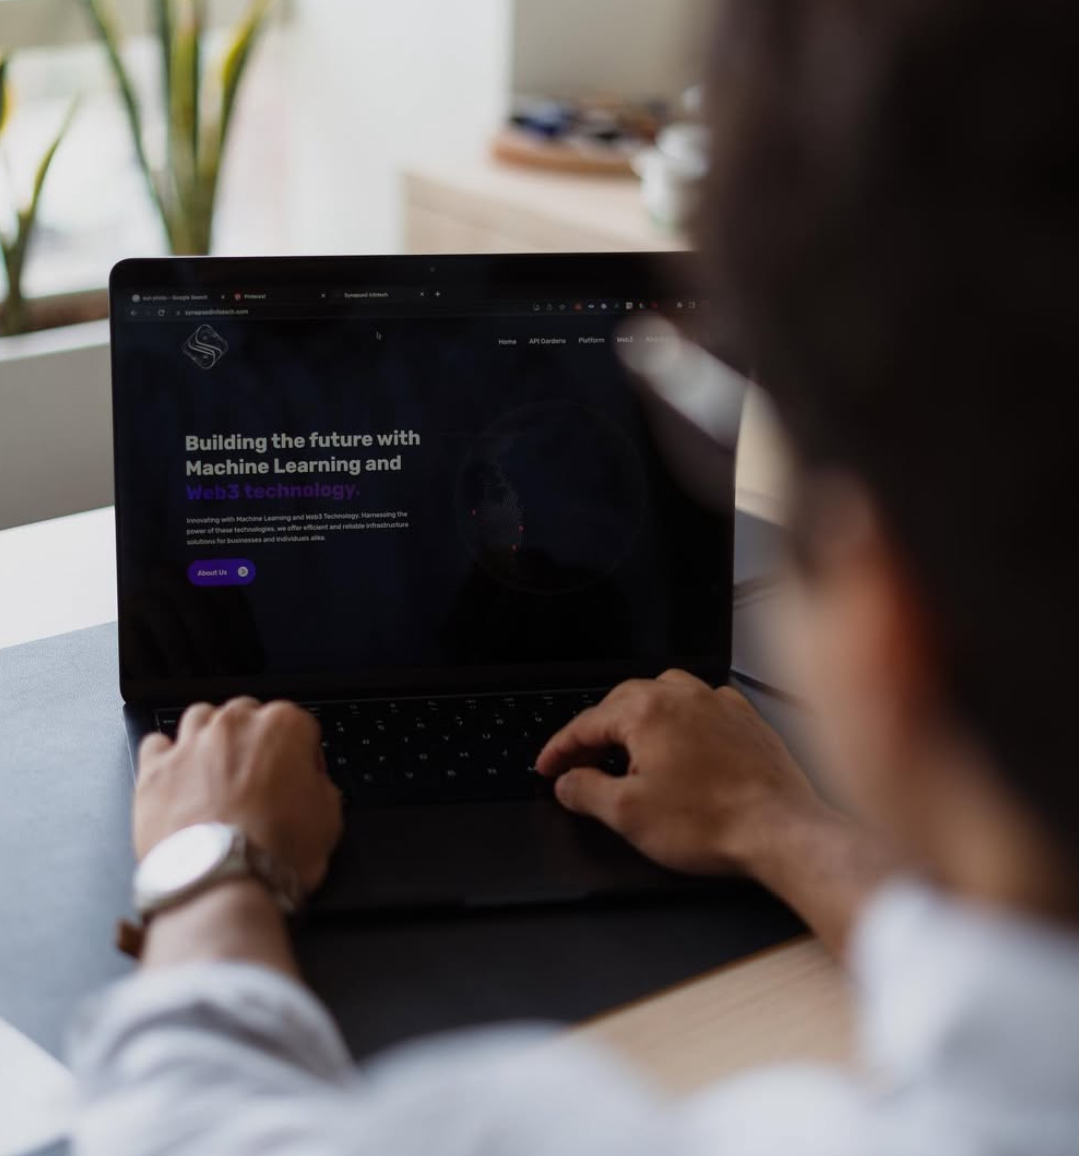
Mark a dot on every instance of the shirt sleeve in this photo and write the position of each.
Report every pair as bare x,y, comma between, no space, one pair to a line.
231,1058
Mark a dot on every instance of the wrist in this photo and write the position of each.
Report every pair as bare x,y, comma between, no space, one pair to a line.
771,842
821,863
235,920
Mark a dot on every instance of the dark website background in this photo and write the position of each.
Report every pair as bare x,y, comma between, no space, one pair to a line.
542,525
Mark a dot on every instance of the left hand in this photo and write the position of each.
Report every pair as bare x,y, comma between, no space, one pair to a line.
258,767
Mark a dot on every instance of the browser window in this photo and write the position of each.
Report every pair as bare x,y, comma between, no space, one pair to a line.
340,482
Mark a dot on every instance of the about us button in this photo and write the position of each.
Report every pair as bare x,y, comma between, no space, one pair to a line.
221,572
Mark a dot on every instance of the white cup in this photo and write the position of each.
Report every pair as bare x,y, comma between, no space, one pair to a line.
671,173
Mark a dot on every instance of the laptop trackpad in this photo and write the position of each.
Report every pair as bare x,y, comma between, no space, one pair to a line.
481,854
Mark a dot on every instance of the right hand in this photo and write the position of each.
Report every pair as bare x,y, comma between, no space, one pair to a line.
260,768
710,785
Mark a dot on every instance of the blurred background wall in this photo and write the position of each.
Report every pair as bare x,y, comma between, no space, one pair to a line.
631,47
373,86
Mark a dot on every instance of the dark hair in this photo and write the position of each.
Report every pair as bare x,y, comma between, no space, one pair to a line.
892,231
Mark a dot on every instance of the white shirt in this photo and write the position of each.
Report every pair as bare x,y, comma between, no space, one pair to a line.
969,1041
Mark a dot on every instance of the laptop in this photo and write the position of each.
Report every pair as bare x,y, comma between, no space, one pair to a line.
419,496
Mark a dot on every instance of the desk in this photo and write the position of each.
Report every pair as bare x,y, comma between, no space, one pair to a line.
785,1003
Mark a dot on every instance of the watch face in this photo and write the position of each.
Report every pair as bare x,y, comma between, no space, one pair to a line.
182,860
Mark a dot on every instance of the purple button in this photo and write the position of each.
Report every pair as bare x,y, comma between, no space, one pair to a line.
221,572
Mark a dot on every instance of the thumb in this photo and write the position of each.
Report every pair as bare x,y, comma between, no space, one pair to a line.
588,791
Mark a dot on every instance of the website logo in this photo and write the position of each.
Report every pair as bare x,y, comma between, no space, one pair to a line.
206,347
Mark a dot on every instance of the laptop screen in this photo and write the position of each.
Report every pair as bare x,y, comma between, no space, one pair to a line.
338,475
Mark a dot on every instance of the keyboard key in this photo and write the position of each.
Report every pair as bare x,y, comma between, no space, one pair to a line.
445,749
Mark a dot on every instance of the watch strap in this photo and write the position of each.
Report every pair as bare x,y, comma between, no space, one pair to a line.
279,877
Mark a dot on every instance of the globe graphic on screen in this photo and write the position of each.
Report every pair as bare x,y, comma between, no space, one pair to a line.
551,497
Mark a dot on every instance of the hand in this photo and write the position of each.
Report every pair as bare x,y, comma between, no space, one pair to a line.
709,783
260,768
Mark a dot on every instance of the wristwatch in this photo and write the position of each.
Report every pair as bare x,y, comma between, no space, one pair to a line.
191,861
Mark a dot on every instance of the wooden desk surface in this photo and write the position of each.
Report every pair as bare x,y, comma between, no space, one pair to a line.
789,1003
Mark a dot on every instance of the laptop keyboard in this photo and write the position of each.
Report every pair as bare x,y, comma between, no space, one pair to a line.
443,749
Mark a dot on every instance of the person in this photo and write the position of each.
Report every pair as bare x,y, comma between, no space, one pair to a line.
891,229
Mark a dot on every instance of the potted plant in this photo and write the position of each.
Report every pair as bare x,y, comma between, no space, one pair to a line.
199,103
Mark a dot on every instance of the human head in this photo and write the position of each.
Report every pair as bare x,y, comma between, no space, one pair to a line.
891,229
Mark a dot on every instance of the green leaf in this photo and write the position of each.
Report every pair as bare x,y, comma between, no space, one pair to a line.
231,72
198,27
103,18
163,23
191,203
5,103
29,215
183,108
235,62
15,249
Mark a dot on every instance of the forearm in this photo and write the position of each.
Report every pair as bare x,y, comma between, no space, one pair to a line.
211,1046
236,921
227,1058
822,864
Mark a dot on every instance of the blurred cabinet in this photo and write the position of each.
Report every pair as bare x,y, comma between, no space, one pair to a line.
487,208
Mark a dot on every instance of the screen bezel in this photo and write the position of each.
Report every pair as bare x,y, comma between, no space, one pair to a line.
600,274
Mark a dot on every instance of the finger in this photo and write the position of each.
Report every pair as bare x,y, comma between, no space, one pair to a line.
237,711
193,720
682,678
732,695
285,706
586,791
595,729
240,704
282,710
287,716
152,745
337,804
590,733
321,766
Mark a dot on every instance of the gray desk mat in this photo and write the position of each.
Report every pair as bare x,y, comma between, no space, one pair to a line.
66,862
